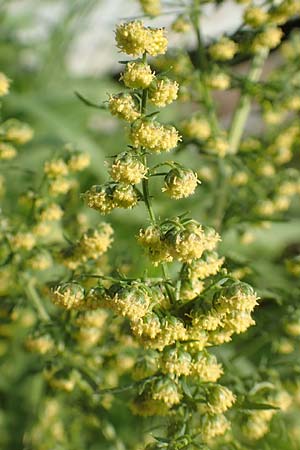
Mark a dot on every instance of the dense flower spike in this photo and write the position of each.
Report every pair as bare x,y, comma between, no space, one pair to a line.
157,334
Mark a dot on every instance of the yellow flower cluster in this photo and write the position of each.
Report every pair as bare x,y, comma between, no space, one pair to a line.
23,241
137,75
151,7
7,151
127,169
40,261
135,39
180,183
124,107
163,92
181,24
4,84
132,301
223,50
196,128
219,399
112,195
255,16
213,426
154,136
218,80
51,213
177,242
16,131
78,162
56,168
95,242
270,38
72,296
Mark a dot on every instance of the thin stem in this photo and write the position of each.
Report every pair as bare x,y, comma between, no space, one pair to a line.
203,65
146,194
243,108
34,297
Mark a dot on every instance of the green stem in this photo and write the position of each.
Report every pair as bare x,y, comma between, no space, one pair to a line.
203,65
34,297
146,194
243,108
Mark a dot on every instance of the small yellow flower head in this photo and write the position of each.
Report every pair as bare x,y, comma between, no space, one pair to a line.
7,151
40,344
284,346
196,340
148,326
219,337
40,261
206,368
213,425
239,178
255,426
209,321
218,145
196,128
180,183
137,75
134,39
266,208
127,169
255,16
167,391
239,297
41,229
17,132
223,50
163,92
188,244
172,330
208,265
181,24
124,107
59,186
176,362
154,136
23,241
157,42
293,266
220,399
132,300
131,38
238,321
55,168
218,80
284,11
269,38
51,213
72,296
69,296
97,198
4,84
79,162
152,240
95,243
292,327
151,7
124,196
